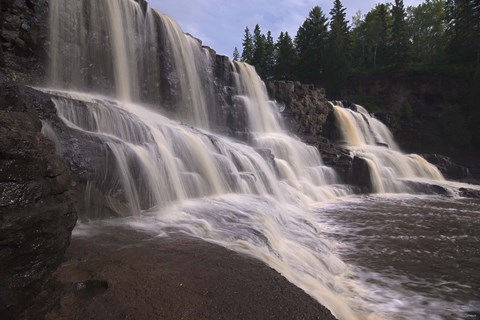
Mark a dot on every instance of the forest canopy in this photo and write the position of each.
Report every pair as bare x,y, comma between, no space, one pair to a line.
441,35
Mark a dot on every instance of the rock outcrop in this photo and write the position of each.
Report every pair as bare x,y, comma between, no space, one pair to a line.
422,110
36,208
308,114
447,167
306,109
23,39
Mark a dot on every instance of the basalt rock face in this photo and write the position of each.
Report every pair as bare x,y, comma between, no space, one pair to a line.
447,167
227,115
418,109
308,114
23,39
36,208
306,109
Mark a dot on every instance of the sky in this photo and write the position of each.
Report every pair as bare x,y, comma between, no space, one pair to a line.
220,24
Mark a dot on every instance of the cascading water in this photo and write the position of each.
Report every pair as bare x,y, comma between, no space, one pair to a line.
215,189
118,48
186,56
298,164
251,199
371,140
257,199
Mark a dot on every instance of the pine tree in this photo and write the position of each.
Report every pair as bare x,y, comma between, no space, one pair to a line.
247,53
286,58
463,19
385,18
259,52
339,46
270,55
400,38
311,42
236,54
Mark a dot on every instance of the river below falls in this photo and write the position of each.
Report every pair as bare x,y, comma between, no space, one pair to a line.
376,257
412,257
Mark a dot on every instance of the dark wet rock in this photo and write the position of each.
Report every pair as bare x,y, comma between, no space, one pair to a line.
471,315
361,174
90,288
308,114
424,187
306,109
36,206
120,273
469,193
23,39
447,167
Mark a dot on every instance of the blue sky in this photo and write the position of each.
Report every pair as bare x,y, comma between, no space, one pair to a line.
220,24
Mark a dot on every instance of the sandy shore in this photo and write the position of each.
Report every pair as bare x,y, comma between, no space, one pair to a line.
121,273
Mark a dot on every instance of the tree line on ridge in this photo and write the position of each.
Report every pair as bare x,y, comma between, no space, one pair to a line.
327,50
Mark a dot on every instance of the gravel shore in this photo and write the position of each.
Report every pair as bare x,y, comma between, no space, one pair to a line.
120,273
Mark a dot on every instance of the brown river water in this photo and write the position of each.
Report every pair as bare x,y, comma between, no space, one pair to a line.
414,257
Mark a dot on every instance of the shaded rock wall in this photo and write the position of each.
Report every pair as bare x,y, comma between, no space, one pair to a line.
411,106
308,114
36,207
427,113
306,109
23,39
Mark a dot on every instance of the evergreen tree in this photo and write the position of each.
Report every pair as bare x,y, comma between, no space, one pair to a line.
286,58
311,42
400,38
463,19
385,21
236,54
339,46
247,53
270,54
259,52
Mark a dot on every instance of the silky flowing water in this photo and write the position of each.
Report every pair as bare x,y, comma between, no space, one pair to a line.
271,198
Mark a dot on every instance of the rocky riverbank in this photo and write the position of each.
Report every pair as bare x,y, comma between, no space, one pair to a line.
120,273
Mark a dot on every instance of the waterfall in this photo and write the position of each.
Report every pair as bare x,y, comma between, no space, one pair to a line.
186,56
216,189
299,164
369,139
118,48
127,77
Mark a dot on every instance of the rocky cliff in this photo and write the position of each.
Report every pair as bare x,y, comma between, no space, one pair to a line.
37,211
36,208
421,109
308,114
23,39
